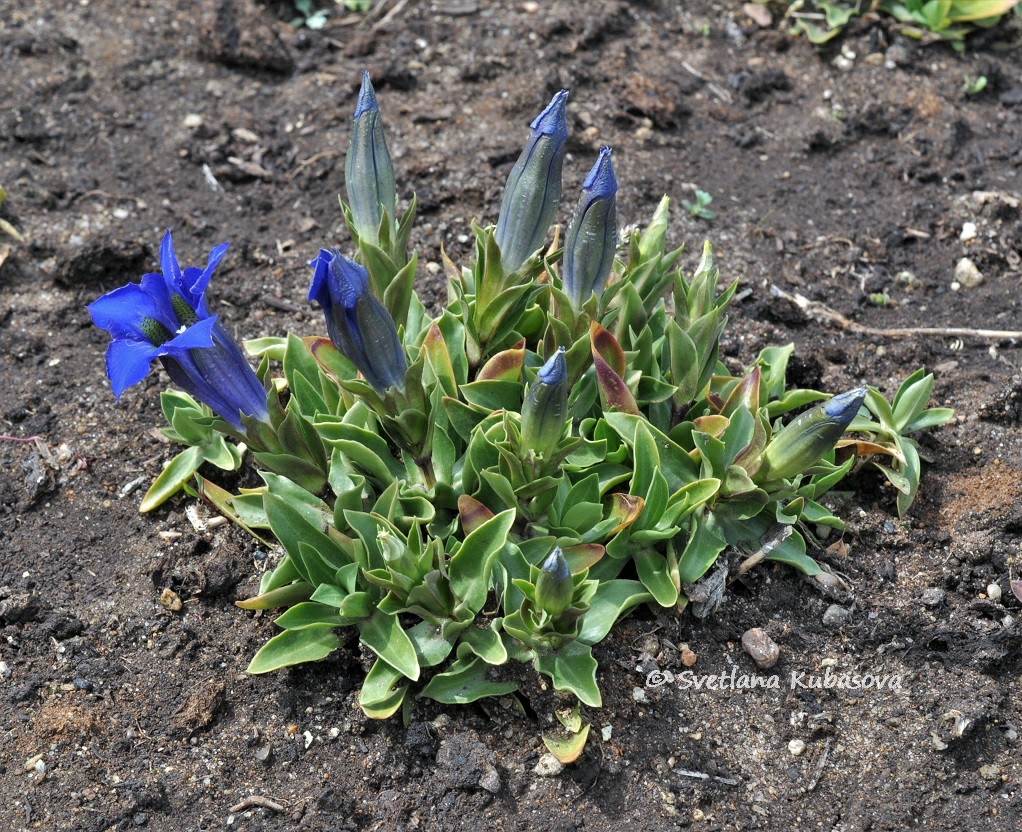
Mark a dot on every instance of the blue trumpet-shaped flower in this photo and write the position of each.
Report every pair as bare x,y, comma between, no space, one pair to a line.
546,406
591,240
368,170
359,325
165,316
532,193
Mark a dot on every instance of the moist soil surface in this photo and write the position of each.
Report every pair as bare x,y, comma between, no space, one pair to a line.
846,176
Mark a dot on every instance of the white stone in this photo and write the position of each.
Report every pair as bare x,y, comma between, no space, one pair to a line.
967,274
548,766
969,232
796,747
994,592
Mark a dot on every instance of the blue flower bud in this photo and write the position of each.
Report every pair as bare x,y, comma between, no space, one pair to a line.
359,325
165,316
368,170
532,193
546,406
807,438
554,586
592,235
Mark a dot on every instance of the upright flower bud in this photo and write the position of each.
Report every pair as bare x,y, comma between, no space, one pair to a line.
368,170
359,325
808,437
546,407
554,587
532,193
592,235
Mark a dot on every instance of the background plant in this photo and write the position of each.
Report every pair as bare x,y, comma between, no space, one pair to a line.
952,20
503,480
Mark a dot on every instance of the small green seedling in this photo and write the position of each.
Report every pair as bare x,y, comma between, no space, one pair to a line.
699,209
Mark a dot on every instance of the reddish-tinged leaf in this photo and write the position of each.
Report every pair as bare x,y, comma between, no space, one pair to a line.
567,747
329,358
504,366
473,513
583,556
861,447
609,349
440,359
625,508
614,393
745,393
713,424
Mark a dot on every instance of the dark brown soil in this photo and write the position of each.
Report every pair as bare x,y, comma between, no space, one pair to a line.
827,182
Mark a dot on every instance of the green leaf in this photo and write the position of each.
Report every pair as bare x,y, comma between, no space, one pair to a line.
465,682
309,644
383,635
431,647
705,543
567,747
486,643
612,599
379,698
573,668
172,479
471,565
931,418
315,555
304,614
911,401
654,574
283,596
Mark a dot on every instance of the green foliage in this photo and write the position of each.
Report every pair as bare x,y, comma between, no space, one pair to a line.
700,208
885,433
952,20
421,522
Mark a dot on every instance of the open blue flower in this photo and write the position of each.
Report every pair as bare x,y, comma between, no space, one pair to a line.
359,325
165,316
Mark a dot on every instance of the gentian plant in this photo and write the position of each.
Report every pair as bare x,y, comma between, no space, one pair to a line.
507,478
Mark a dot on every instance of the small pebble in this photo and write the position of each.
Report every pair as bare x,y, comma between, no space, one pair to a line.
967,274
990,772
994,592
530,8
796,747
969,232
688,658
490,781
933,596
548,766
835,616
193,120
607,732
638,694
761,647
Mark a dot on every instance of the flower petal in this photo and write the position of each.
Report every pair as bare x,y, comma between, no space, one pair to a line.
127,363
196,281
168,260
197,336
121,311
